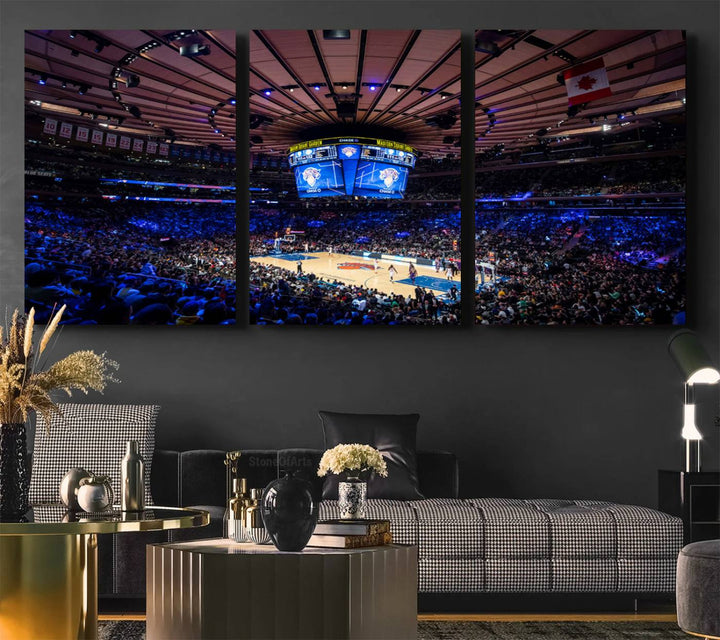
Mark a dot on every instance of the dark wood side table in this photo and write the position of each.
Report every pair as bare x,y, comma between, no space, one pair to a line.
694,497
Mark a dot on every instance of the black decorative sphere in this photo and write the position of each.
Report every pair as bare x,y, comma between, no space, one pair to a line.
289,512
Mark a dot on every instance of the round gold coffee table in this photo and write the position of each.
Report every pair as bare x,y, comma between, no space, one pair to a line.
48,566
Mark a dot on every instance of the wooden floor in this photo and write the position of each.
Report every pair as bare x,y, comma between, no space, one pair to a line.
354,270
499,617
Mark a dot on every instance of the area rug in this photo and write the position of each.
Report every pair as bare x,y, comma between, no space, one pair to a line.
442,630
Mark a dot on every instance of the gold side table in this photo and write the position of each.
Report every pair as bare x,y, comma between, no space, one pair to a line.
48,567
218,589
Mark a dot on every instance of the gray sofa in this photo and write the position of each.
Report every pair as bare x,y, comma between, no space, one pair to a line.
468,548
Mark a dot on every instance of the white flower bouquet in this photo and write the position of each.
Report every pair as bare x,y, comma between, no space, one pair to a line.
352,459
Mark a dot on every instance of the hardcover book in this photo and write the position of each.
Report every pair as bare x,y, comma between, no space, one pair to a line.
352,527
350,542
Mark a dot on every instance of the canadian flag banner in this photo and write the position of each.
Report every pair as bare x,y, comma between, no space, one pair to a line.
97,136
586,82
65,130
50,126
137,144
82,134
111,140
124,142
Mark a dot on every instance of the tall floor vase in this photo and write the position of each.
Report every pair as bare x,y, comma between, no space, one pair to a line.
14,471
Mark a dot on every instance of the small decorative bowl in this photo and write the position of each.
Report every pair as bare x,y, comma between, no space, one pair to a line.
258,535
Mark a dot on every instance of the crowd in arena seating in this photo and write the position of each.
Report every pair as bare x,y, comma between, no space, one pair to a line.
133,263
157,263
424,232
576,269
637,176
281,296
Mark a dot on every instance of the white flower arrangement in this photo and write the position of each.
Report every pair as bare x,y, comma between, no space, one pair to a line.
358,458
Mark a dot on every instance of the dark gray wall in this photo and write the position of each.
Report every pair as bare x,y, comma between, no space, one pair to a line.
536,412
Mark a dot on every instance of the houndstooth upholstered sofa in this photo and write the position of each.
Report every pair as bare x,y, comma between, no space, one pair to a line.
467,547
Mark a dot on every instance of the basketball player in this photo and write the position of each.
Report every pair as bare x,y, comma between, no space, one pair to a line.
299,267
377,264
392,272
412,272
449,273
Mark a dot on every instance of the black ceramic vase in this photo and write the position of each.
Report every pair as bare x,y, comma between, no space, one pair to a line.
289,512
14,472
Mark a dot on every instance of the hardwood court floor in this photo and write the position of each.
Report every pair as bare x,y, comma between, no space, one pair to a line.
359,271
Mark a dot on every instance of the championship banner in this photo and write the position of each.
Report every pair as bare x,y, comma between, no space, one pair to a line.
50,126
124,142
151,147
137,144
97,136
65,130
164,148
586,82
82,134
111,140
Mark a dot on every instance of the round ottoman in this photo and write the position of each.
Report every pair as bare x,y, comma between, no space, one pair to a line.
698,589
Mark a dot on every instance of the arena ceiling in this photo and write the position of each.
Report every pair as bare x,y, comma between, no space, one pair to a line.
90,77
406,81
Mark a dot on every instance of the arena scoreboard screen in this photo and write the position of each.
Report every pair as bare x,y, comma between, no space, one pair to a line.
367,167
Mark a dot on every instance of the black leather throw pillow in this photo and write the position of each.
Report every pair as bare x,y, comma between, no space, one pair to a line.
394,436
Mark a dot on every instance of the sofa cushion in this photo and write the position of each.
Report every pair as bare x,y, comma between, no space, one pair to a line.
393,435
91,436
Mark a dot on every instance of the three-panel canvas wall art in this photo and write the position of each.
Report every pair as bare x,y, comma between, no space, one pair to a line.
356,178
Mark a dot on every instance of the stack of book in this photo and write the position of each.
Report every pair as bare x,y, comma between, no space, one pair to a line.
351,534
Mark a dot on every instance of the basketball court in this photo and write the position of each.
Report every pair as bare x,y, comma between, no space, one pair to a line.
355,270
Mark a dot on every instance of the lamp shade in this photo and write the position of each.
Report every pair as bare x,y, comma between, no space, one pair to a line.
692,359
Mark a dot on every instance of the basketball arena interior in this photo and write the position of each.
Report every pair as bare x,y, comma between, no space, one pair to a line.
355,178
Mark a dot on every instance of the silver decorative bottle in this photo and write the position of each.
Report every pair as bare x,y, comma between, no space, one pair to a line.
133,479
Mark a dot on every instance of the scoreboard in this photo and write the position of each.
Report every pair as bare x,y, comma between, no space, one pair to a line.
368,167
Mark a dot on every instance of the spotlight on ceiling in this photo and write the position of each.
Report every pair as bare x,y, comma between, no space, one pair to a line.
73,34
83,89
442,120
194,49
132,80
267,92
372,87
257,120
43,79
486,46
134,111
336,34
232,101
317,87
